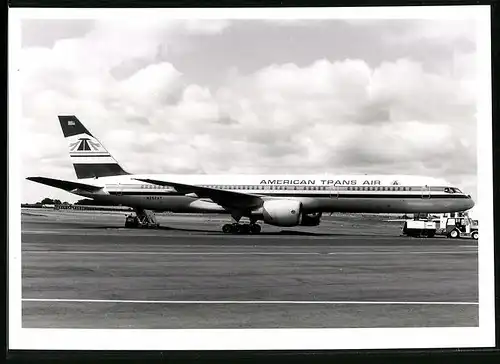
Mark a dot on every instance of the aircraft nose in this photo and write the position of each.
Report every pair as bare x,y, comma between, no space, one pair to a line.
469,202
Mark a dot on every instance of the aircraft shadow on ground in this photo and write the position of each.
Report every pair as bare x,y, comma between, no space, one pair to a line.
216,233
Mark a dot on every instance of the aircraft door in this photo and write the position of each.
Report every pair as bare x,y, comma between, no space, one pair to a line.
426,192
334,192
119,191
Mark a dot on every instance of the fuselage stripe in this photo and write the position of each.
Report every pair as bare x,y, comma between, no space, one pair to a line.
318,194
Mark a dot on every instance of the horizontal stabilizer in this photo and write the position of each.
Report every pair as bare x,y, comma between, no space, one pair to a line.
64,185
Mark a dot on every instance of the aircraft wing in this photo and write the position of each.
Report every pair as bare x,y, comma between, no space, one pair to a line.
224,198
64,185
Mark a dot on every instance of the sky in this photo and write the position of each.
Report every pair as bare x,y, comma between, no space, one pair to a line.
252,96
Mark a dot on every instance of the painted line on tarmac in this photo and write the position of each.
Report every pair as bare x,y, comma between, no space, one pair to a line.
62,300
237,253
168,253
264,246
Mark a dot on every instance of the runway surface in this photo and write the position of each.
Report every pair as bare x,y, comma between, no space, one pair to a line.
83,270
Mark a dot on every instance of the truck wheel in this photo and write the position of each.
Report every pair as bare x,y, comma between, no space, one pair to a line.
475,235
454,234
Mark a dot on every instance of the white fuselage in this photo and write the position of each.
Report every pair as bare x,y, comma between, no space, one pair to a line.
317,193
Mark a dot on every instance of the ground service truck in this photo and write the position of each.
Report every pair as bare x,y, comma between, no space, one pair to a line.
451,227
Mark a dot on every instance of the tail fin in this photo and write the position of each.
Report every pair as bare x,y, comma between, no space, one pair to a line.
90,158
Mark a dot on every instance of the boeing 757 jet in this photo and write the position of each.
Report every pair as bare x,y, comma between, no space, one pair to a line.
279,200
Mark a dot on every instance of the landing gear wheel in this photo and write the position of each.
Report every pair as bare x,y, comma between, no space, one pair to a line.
236,228
255,229
245,229
131,222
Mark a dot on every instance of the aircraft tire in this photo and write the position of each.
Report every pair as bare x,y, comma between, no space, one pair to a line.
227,229
236,229
245,229
255,229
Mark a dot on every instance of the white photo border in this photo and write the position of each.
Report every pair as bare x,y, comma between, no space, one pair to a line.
259,339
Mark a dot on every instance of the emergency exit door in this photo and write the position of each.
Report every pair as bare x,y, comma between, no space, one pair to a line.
426,192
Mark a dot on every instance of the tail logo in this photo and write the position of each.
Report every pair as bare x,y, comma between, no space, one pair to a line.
84,144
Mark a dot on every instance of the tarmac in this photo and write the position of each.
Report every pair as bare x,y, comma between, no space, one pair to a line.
83,269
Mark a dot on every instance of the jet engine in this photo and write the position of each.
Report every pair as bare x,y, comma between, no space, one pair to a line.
312,219
282,212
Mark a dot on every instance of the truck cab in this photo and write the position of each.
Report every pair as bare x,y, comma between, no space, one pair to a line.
459,227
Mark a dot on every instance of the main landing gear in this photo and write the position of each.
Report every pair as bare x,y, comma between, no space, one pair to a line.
236,228
143,219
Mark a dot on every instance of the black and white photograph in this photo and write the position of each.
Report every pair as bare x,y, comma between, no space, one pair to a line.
250,178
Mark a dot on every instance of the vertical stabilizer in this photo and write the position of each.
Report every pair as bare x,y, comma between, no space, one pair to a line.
89,157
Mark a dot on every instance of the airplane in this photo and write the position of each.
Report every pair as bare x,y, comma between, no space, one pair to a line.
278,200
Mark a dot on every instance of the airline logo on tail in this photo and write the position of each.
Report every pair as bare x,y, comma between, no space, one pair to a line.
84,144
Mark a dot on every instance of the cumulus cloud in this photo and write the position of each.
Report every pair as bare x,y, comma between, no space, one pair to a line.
330,115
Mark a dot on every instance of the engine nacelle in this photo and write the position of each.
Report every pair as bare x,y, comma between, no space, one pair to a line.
312,219
282,212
